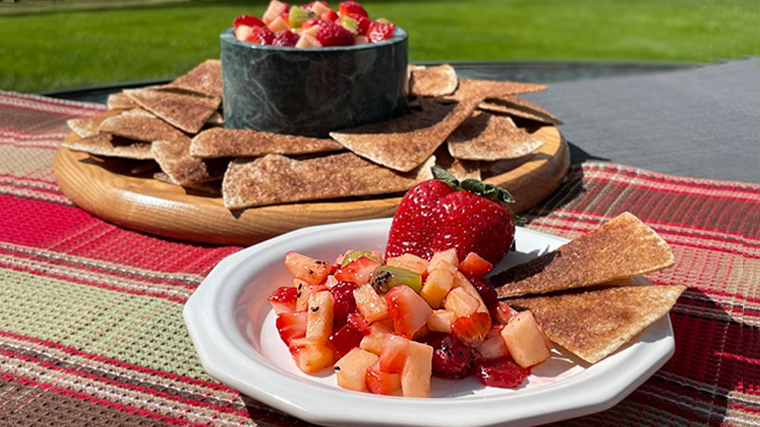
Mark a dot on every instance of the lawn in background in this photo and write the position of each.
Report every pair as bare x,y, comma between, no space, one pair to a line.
64,49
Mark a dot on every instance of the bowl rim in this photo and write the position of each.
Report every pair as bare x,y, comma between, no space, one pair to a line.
399,36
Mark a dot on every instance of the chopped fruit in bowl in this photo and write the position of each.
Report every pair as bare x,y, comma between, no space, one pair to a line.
287,26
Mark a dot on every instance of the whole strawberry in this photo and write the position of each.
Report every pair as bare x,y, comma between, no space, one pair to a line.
444,213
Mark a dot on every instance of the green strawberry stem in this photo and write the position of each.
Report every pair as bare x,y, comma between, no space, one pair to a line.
489,191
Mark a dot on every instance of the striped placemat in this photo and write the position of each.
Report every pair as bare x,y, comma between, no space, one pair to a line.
91,329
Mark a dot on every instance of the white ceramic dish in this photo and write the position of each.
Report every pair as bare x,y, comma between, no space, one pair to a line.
232,327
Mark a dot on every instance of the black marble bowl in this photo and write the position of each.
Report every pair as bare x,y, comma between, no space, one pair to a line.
313,91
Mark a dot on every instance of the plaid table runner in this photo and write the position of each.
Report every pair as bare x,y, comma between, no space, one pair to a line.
91,331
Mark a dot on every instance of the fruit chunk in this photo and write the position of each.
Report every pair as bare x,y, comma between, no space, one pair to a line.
354,255
503,313
286,39
248,20
525,340
486,291
441,320
379,382
304,291
362,24
279,24
459,302
437,285
307,41
351,369
318,7
451,357
347,8
320,316
503,373
275,9
283,299
447,257
408,310
385,278
415,378
330,15
494,346
373,342
291,326
460,281
332,34
345,339
472,329
311,357
393,354
345,304
349,23
306,268
298,16
371,305
409,262
378,31
359,270
474,265
260,35
242,32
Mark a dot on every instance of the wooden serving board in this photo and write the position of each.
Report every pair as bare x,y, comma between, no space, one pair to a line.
151,206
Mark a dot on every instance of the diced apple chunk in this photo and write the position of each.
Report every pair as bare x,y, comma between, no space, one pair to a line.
441,320
311,357
494,346
525,340
306,268
437,285
461,303
319,319
448,258
374,341
351,369
409,262
379,382
371,305
278,25
460,281
415,378
304,291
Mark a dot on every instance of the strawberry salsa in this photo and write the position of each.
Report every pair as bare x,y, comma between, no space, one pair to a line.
387,325
312,25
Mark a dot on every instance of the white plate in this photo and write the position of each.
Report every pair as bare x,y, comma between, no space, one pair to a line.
232,327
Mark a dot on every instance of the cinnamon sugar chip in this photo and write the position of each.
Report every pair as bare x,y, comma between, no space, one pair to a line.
433,81
103,144
120,101
139,127
406,142
483,89
275,179
173,156
595,324
221,142
517,107
488,137
88,126
185,111
212,188
620,248
205,79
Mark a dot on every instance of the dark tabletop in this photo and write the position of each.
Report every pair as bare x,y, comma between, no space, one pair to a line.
699,121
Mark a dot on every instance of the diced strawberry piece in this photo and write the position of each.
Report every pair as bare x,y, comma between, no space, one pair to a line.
305,26
332,34
362,23
261,35
275,9
407,309
248,20
291,326
360,270
330,15
393,354
379,382
486,290
474,265
283,299
343,293
359,322
472,329
503,373
503,313
347,338
451,357
351,7
379,31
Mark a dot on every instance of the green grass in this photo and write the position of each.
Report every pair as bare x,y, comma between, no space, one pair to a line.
49,51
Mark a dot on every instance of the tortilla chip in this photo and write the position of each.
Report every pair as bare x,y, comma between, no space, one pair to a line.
433,81
517,107
492,89
120,101
484,136
622,247
461,169
594,324
275,179
173,156
221,142
139,128
86,126
185,111
137,111
205,79
103,144
212,188
216,119
406,142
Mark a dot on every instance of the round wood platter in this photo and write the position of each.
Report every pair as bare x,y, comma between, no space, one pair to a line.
151,206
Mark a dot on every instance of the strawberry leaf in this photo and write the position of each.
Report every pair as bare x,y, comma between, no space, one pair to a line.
489,191
442,174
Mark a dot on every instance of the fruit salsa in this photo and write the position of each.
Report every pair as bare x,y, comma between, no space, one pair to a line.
312,25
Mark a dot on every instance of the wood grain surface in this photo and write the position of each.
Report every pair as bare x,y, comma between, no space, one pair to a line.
154,207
